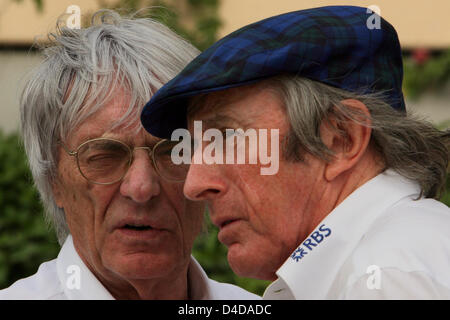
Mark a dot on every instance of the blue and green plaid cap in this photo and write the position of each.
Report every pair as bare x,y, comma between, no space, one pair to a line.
335,45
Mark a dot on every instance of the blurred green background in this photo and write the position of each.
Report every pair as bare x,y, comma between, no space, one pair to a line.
25,239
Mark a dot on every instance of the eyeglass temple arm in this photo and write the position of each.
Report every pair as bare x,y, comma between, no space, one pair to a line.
70,153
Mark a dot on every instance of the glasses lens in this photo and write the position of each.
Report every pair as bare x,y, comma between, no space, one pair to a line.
168,168
103,161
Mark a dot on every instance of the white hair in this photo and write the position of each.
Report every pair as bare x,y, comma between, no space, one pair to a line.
81,70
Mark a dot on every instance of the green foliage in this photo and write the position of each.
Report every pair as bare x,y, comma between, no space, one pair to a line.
25,240
39,4
422,77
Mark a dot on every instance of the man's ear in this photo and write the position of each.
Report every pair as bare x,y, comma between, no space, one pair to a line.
348,139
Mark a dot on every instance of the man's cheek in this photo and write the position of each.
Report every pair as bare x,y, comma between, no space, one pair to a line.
191,220
100,198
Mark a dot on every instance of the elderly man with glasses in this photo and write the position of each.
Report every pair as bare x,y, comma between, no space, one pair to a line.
108,187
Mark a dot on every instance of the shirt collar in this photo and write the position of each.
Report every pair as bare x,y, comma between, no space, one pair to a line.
199,283
309,272
78,282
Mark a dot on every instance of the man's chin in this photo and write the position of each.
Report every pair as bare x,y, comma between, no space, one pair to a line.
239,261
249,265
141,265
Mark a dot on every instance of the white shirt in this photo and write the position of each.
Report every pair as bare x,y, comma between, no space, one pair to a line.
58,280
379,243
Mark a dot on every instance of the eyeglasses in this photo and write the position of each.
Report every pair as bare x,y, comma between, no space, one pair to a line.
106,161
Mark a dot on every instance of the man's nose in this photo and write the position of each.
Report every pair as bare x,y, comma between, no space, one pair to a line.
141,183
204,182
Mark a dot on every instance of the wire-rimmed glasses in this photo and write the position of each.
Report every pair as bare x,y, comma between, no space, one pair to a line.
106,161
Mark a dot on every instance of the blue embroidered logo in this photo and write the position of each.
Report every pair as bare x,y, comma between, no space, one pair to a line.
316,237
298,254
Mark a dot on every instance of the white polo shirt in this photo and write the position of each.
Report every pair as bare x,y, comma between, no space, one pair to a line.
58,280
379,243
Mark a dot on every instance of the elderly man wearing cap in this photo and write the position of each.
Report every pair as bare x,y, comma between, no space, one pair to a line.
351,211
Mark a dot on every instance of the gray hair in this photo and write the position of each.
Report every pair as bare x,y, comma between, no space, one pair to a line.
408,144
81,70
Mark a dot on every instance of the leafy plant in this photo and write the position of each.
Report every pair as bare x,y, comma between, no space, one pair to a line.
39,4
430,74
25,239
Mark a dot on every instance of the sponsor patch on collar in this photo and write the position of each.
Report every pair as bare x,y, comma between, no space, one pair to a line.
311,242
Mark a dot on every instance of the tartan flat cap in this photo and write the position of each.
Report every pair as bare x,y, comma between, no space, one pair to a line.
334,45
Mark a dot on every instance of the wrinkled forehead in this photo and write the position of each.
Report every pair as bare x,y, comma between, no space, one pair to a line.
118,117
202,104
222,102
109,104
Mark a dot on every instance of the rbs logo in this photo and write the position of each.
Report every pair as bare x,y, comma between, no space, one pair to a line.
313,241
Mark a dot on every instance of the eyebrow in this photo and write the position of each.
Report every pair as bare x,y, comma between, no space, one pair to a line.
83,139
149,141
215,109
220,119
